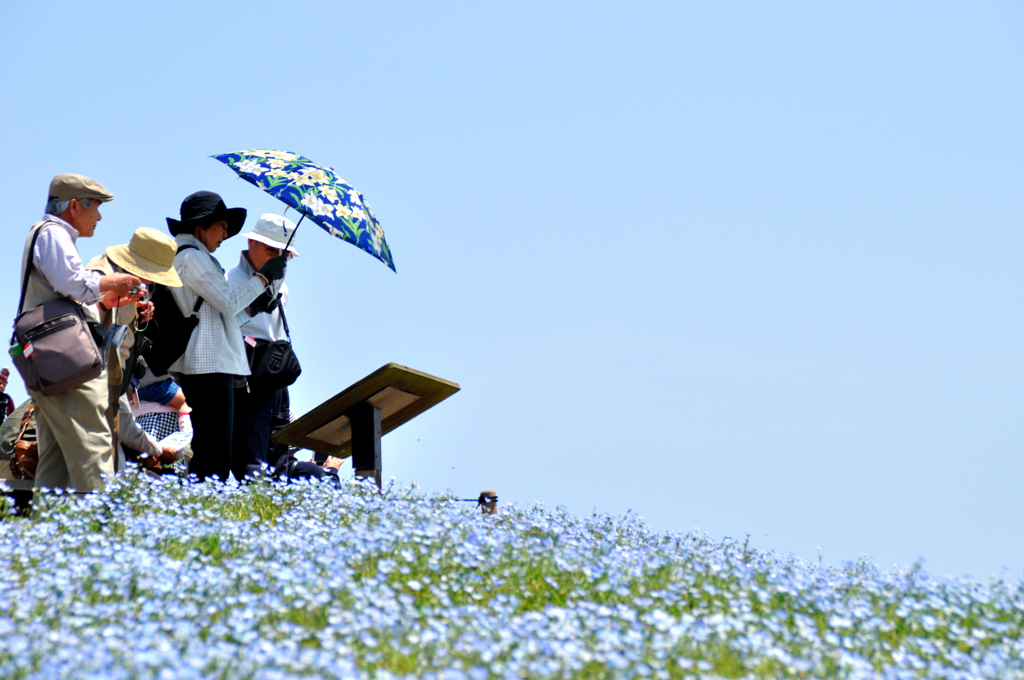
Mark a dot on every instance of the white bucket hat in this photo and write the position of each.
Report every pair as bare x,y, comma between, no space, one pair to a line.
274,231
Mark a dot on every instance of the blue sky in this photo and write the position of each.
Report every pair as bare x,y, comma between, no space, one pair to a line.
747,267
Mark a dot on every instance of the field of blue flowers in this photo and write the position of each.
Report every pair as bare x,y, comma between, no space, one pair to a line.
157,579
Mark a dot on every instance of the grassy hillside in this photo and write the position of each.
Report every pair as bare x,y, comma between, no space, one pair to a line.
161,580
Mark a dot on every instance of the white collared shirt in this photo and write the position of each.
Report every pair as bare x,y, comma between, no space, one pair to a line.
216,345
57,261
265,325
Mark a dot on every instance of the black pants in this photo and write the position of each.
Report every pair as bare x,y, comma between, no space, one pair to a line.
212,398
278,455
251,431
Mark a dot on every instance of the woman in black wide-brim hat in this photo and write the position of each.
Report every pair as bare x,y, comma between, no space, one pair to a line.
214,360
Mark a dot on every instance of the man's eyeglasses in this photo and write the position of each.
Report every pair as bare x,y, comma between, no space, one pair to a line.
274,252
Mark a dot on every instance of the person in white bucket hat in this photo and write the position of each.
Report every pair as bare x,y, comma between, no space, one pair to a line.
273,231
254,412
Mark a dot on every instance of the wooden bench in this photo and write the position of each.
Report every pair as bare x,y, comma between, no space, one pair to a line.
352,422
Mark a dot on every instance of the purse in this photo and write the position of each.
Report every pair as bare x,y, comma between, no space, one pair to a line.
25,456
273,364
52,345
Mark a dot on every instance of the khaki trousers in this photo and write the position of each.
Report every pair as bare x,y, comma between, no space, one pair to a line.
75,442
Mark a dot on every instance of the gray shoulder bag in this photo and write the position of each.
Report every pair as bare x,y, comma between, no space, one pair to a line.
52,346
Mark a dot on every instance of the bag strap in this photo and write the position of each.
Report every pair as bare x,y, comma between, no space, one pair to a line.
199,299
24,422
284,322
27,264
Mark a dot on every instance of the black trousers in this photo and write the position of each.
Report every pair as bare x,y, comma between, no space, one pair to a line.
278,454
212,398
251,437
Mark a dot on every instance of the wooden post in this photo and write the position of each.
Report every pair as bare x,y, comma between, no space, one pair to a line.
488,502
365,419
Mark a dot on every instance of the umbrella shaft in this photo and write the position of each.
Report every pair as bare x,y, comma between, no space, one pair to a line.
293,232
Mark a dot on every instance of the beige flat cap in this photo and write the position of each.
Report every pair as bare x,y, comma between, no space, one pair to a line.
149,255
68,185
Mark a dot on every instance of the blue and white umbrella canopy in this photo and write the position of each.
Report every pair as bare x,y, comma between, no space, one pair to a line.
317,192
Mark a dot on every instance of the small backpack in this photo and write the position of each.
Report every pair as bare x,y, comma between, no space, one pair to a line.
168,330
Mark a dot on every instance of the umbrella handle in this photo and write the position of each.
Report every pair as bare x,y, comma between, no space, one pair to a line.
294,230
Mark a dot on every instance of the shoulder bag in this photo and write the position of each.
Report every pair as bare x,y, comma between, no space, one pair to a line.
273,365
53,346
25,456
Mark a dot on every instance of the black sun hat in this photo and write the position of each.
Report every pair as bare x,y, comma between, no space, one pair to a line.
205,206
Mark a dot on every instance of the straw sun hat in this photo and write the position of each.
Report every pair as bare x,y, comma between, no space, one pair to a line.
149,255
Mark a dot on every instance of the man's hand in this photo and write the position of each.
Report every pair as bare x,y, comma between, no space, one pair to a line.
170,455
121,284
273,269
259,305
145,311
267,302
113,299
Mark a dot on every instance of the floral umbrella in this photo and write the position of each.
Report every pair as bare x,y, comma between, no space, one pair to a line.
317,192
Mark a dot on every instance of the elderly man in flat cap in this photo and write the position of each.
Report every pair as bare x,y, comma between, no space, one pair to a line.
75,444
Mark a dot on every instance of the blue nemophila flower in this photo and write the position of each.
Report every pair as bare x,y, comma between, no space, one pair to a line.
161,579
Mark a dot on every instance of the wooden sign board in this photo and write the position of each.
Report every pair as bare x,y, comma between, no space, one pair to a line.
399,392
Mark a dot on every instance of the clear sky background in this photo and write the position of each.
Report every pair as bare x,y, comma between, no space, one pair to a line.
747,267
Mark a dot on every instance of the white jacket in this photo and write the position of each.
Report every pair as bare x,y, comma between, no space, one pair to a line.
216,345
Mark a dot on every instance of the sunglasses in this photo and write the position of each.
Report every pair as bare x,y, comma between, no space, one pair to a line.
272,251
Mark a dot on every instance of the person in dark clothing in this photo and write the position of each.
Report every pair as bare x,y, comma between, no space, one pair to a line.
284,464
6,403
